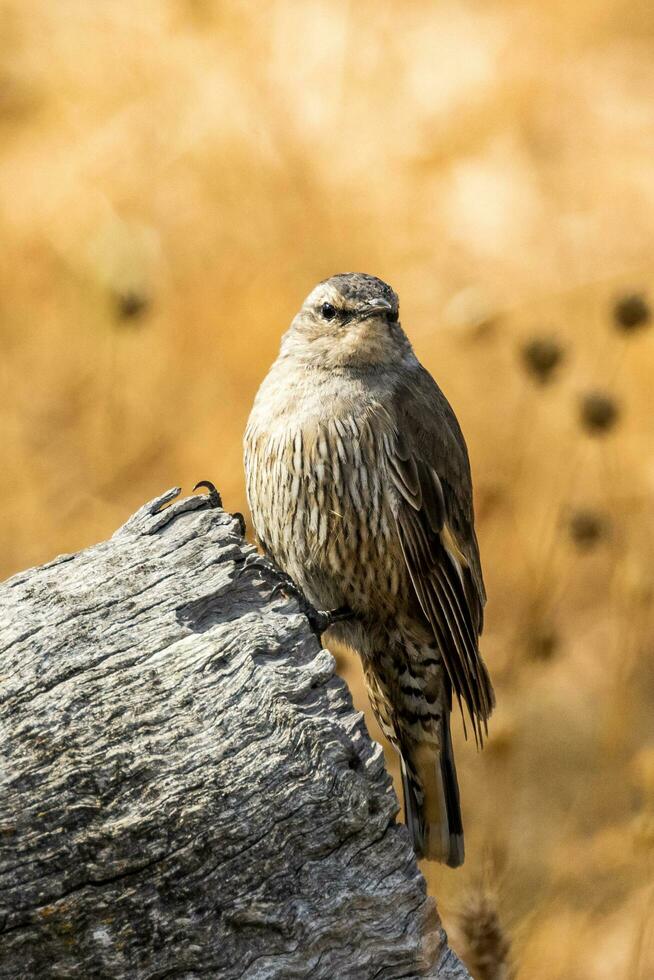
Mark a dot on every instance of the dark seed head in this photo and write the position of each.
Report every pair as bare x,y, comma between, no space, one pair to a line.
543,643
599,413
587,528
130,304
541,356
631,312
488,949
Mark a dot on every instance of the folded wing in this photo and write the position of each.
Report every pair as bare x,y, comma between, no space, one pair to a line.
428,469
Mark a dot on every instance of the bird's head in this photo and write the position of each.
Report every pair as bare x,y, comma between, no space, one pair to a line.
349,320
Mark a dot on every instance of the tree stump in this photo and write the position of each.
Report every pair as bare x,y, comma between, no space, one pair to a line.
186,788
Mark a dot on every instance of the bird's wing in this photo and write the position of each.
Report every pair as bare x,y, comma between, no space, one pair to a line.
429,470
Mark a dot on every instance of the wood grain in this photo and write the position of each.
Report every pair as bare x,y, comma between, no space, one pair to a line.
186,789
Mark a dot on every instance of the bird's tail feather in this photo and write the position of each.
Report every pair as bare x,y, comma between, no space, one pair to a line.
456,850
431,801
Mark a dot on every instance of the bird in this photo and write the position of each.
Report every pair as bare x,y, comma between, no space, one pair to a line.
359,486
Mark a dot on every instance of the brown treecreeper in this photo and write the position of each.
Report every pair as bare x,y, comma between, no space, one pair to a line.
359,485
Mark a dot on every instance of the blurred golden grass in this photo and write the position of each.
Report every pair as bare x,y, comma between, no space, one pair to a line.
175,176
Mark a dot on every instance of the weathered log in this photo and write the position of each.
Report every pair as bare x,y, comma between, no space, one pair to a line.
186,788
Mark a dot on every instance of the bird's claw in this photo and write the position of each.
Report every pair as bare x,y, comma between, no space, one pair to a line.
214,496
241,522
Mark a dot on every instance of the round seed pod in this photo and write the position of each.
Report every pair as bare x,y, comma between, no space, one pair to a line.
598,413
587,528
541,356
631,312
543,643
130,305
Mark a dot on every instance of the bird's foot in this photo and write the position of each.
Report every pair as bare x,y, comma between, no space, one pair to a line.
320,620
215,500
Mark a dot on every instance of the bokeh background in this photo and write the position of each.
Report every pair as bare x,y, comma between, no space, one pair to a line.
175,175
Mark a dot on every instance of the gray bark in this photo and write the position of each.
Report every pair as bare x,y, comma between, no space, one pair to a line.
186,790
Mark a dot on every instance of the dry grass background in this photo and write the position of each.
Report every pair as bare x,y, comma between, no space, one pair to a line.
174,177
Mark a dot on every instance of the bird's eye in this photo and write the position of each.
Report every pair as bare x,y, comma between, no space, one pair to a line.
327,311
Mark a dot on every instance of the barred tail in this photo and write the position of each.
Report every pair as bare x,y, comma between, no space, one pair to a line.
431,800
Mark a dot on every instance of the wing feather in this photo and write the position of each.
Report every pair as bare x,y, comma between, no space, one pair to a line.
429,471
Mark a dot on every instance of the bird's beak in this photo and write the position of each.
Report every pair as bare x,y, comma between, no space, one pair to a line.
373,306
